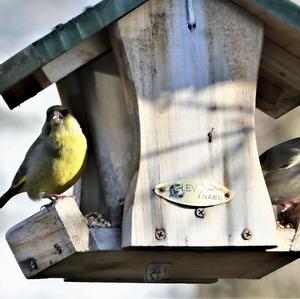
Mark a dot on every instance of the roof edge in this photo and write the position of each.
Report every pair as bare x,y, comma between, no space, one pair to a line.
63,38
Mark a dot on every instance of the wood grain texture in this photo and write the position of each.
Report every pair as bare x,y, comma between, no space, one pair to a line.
76,57
183,266
87,189
186,83
111,130
48,237
285,239
58,244
283,65
281,19
281,43
95,94
278,85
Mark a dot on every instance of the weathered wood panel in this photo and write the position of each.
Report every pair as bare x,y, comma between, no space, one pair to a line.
58,243
281,20
71,60
282,64
179,266
95,94
87,189
278,85
186,82
48,237
111,130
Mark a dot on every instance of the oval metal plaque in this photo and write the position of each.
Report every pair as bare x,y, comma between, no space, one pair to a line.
194,192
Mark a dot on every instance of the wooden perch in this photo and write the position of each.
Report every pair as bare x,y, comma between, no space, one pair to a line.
48,237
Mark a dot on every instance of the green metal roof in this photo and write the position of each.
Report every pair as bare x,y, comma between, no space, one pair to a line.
17,82
60,40
284,10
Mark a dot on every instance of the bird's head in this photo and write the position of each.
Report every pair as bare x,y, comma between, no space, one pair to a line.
59,117
56,115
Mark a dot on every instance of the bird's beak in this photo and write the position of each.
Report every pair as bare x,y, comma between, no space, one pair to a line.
56,118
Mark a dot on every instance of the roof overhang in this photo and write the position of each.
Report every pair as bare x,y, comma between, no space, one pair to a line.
62,51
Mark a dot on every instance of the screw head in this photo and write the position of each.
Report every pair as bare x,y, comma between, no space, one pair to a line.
160,234
32,264
247,234
200,213
57,248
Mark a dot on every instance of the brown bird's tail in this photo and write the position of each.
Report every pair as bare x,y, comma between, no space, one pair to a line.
7,196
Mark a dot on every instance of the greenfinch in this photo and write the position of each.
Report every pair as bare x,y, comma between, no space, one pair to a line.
281,169
54,162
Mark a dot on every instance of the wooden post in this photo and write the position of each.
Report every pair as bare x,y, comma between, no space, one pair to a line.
185,78
95,95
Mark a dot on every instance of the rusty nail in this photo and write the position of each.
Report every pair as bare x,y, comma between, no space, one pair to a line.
247,234
160,234
57,248
32,264
200,213
210,135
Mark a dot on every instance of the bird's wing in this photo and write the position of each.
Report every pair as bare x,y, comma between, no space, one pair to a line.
20,176
282,156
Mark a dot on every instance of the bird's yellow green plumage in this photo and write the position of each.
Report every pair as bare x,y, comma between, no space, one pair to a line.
56,159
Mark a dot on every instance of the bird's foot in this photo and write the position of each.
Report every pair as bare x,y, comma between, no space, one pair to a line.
54,196
53,199
49,205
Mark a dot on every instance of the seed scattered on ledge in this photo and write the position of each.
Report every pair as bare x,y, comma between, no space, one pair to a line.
96,220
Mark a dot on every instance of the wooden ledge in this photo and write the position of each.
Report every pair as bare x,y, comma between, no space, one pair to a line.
48,237
58,244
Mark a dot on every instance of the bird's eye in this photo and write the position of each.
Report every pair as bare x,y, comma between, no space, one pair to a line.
64,112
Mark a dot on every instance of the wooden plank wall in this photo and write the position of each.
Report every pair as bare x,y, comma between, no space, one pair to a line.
186,82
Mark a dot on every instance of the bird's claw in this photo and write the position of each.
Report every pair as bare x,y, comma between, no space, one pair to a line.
48,206
54,198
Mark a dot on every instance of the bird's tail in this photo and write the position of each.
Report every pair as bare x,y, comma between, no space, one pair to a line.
7,196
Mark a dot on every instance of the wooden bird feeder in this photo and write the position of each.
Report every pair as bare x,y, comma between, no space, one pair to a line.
166,93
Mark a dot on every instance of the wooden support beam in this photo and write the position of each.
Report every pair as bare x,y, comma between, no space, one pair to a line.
273,99
73,59
282,64
87,190
100,103
269,99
